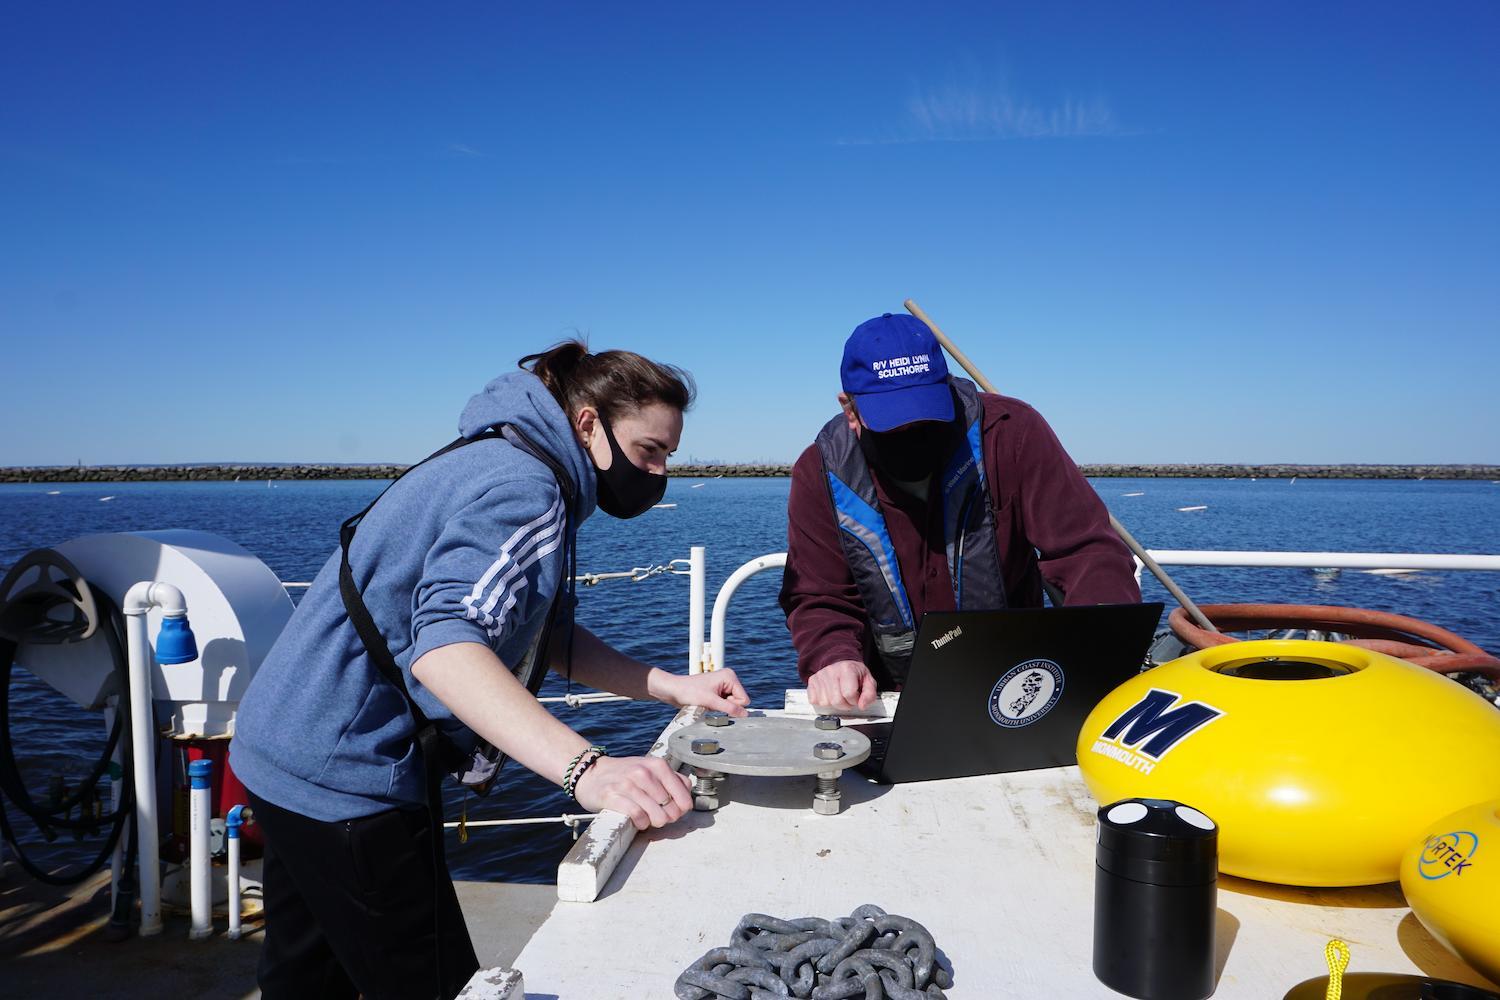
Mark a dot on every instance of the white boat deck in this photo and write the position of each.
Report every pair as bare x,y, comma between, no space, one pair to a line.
999,868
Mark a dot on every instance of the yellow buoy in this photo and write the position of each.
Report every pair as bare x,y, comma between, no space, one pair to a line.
1451,877
1322,763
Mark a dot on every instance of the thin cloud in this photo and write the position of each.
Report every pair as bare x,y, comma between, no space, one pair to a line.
464,150
972,113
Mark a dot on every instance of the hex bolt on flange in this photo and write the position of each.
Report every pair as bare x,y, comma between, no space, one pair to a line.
827,800
706,789
766,747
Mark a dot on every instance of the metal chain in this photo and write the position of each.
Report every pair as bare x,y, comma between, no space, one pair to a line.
868,955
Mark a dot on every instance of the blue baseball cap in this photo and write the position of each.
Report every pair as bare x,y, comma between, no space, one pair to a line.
895,370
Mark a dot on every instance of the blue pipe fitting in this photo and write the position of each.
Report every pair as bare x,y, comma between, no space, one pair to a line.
199,773
175,642
238,816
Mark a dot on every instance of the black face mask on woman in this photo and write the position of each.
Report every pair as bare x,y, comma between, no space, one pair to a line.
625,489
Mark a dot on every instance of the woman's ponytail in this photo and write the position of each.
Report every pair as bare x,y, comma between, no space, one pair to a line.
555,367
613,382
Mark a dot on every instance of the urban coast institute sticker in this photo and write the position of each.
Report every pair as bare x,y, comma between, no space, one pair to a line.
1026,693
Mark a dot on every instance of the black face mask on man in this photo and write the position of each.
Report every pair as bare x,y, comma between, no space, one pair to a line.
625,489
907,459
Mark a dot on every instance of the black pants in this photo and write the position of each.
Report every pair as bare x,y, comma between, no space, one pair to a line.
359,907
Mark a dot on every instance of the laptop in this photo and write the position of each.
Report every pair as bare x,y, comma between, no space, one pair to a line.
996,691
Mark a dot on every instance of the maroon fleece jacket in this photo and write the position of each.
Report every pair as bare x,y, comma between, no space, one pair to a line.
1049,524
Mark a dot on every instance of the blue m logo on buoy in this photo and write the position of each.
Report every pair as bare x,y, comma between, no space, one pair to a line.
1153,727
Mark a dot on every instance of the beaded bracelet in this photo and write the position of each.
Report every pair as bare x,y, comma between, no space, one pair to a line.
588,762
578,765
581,763
567,780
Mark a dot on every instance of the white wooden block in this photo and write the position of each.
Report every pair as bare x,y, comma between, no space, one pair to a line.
884,707
494,984
587,867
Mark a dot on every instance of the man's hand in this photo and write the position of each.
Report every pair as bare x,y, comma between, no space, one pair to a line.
843,686
717,689
645,789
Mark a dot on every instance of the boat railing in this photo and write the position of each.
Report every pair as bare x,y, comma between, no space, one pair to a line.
706,653
1376,562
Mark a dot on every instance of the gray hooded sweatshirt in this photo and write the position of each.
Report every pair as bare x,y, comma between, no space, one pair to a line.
467,548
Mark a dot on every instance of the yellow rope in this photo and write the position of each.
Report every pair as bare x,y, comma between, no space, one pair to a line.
1337,954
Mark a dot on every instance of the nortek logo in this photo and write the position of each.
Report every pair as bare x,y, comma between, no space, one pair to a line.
1447,854
947,637
1153,726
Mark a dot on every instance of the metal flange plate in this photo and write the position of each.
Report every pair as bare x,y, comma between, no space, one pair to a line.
769,747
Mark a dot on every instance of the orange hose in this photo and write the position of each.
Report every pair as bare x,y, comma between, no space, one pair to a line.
1438,649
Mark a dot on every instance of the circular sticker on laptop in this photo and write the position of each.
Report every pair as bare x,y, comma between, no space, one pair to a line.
1026,693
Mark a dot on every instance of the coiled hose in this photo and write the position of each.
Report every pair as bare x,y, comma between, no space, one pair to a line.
54,816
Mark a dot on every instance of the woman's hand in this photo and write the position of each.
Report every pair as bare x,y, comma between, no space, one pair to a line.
645,789
716,689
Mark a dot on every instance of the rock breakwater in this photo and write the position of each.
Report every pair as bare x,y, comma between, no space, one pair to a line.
223,473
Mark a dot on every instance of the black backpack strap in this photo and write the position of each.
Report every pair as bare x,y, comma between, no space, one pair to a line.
561,611
439,755
434,755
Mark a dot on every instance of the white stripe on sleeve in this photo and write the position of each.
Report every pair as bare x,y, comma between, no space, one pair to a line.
518,540
515,592
517,567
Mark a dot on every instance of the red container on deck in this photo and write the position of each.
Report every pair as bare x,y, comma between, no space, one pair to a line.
225,792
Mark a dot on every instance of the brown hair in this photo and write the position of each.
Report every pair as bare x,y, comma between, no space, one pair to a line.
612,382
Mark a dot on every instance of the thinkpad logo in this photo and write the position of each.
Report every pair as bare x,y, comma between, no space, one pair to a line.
947,637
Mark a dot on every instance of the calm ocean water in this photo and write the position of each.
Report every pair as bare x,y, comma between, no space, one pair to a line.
293,527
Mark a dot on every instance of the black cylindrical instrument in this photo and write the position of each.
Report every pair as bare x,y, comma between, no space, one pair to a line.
1155,888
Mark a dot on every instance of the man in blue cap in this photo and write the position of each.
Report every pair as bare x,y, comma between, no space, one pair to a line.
926,494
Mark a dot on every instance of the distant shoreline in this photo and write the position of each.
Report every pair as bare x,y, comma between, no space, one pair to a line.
251,472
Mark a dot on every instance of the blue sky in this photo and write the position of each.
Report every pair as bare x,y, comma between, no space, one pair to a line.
1211,232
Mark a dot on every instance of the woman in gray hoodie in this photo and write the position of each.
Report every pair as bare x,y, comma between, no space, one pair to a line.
418,650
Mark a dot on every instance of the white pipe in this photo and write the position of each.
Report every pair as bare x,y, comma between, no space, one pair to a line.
139,599
1328,560
146,595
142,746
697,598
237,817
775,560
234,888
199,814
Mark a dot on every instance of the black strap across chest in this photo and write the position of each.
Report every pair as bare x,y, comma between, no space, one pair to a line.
439,754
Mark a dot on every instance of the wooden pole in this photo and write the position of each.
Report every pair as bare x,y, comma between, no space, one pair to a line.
1157,570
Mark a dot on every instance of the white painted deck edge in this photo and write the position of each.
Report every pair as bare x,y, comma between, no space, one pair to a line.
494,984
881,710
586,869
